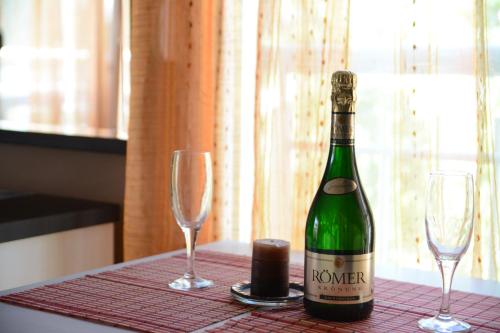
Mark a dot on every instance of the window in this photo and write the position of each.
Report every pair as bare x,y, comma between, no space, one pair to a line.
64,66
419,65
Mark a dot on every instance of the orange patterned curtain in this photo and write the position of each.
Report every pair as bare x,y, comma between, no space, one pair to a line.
173,47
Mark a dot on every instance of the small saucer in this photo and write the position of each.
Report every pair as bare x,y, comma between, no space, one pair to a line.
241,292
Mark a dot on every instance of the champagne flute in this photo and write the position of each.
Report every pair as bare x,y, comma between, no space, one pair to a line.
191,192
449,216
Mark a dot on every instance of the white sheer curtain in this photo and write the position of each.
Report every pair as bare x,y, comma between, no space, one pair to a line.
428,98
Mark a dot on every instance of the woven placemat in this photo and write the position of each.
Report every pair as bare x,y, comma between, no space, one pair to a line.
137,297
398,307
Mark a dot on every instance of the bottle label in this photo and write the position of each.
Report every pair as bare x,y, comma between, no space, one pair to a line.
343,128
340,186
338,279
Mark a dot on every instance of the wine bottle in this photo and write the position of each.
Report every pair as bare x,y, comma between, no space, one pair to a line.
339,258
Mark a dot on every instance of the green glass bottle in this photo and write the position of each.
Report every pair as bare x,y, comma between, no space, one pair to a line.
339,258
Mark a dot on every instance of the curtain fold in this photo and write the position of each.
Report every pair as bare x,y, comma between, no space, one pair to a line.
171,107
486,238
228,121
300,44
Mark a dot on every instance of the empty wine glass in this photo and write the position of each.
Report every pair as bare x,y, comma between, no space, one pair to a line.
191,201
449,216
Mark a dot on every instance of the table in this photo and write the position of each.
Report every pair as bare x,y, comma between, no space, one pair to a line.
19,319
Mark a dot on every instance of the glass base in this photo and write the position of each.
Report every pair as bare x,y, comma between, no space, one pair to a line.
443,324
184,283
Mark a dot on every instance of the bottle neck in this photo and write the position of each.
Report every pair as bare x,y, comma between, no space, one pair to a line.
342,128
341,158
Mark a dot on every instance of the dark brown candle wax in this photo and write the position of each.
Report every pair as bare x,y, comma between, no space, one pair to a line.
270,258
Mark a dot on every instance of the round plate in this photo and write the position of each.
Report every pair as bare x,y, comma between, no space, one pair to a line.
241,292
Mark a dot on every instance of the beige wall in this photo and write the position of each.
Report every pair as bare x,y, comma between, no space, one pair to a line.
78,174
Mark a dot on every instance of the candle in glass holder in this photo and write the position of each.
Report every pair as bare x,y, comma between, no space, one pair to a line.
270,259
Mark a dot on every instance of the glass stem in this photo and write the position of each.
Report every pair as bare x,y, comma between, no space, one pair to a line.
447,268
190,234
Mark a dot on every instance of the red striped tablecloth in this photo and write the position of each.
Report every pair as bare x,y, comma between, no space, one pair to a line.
137,297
